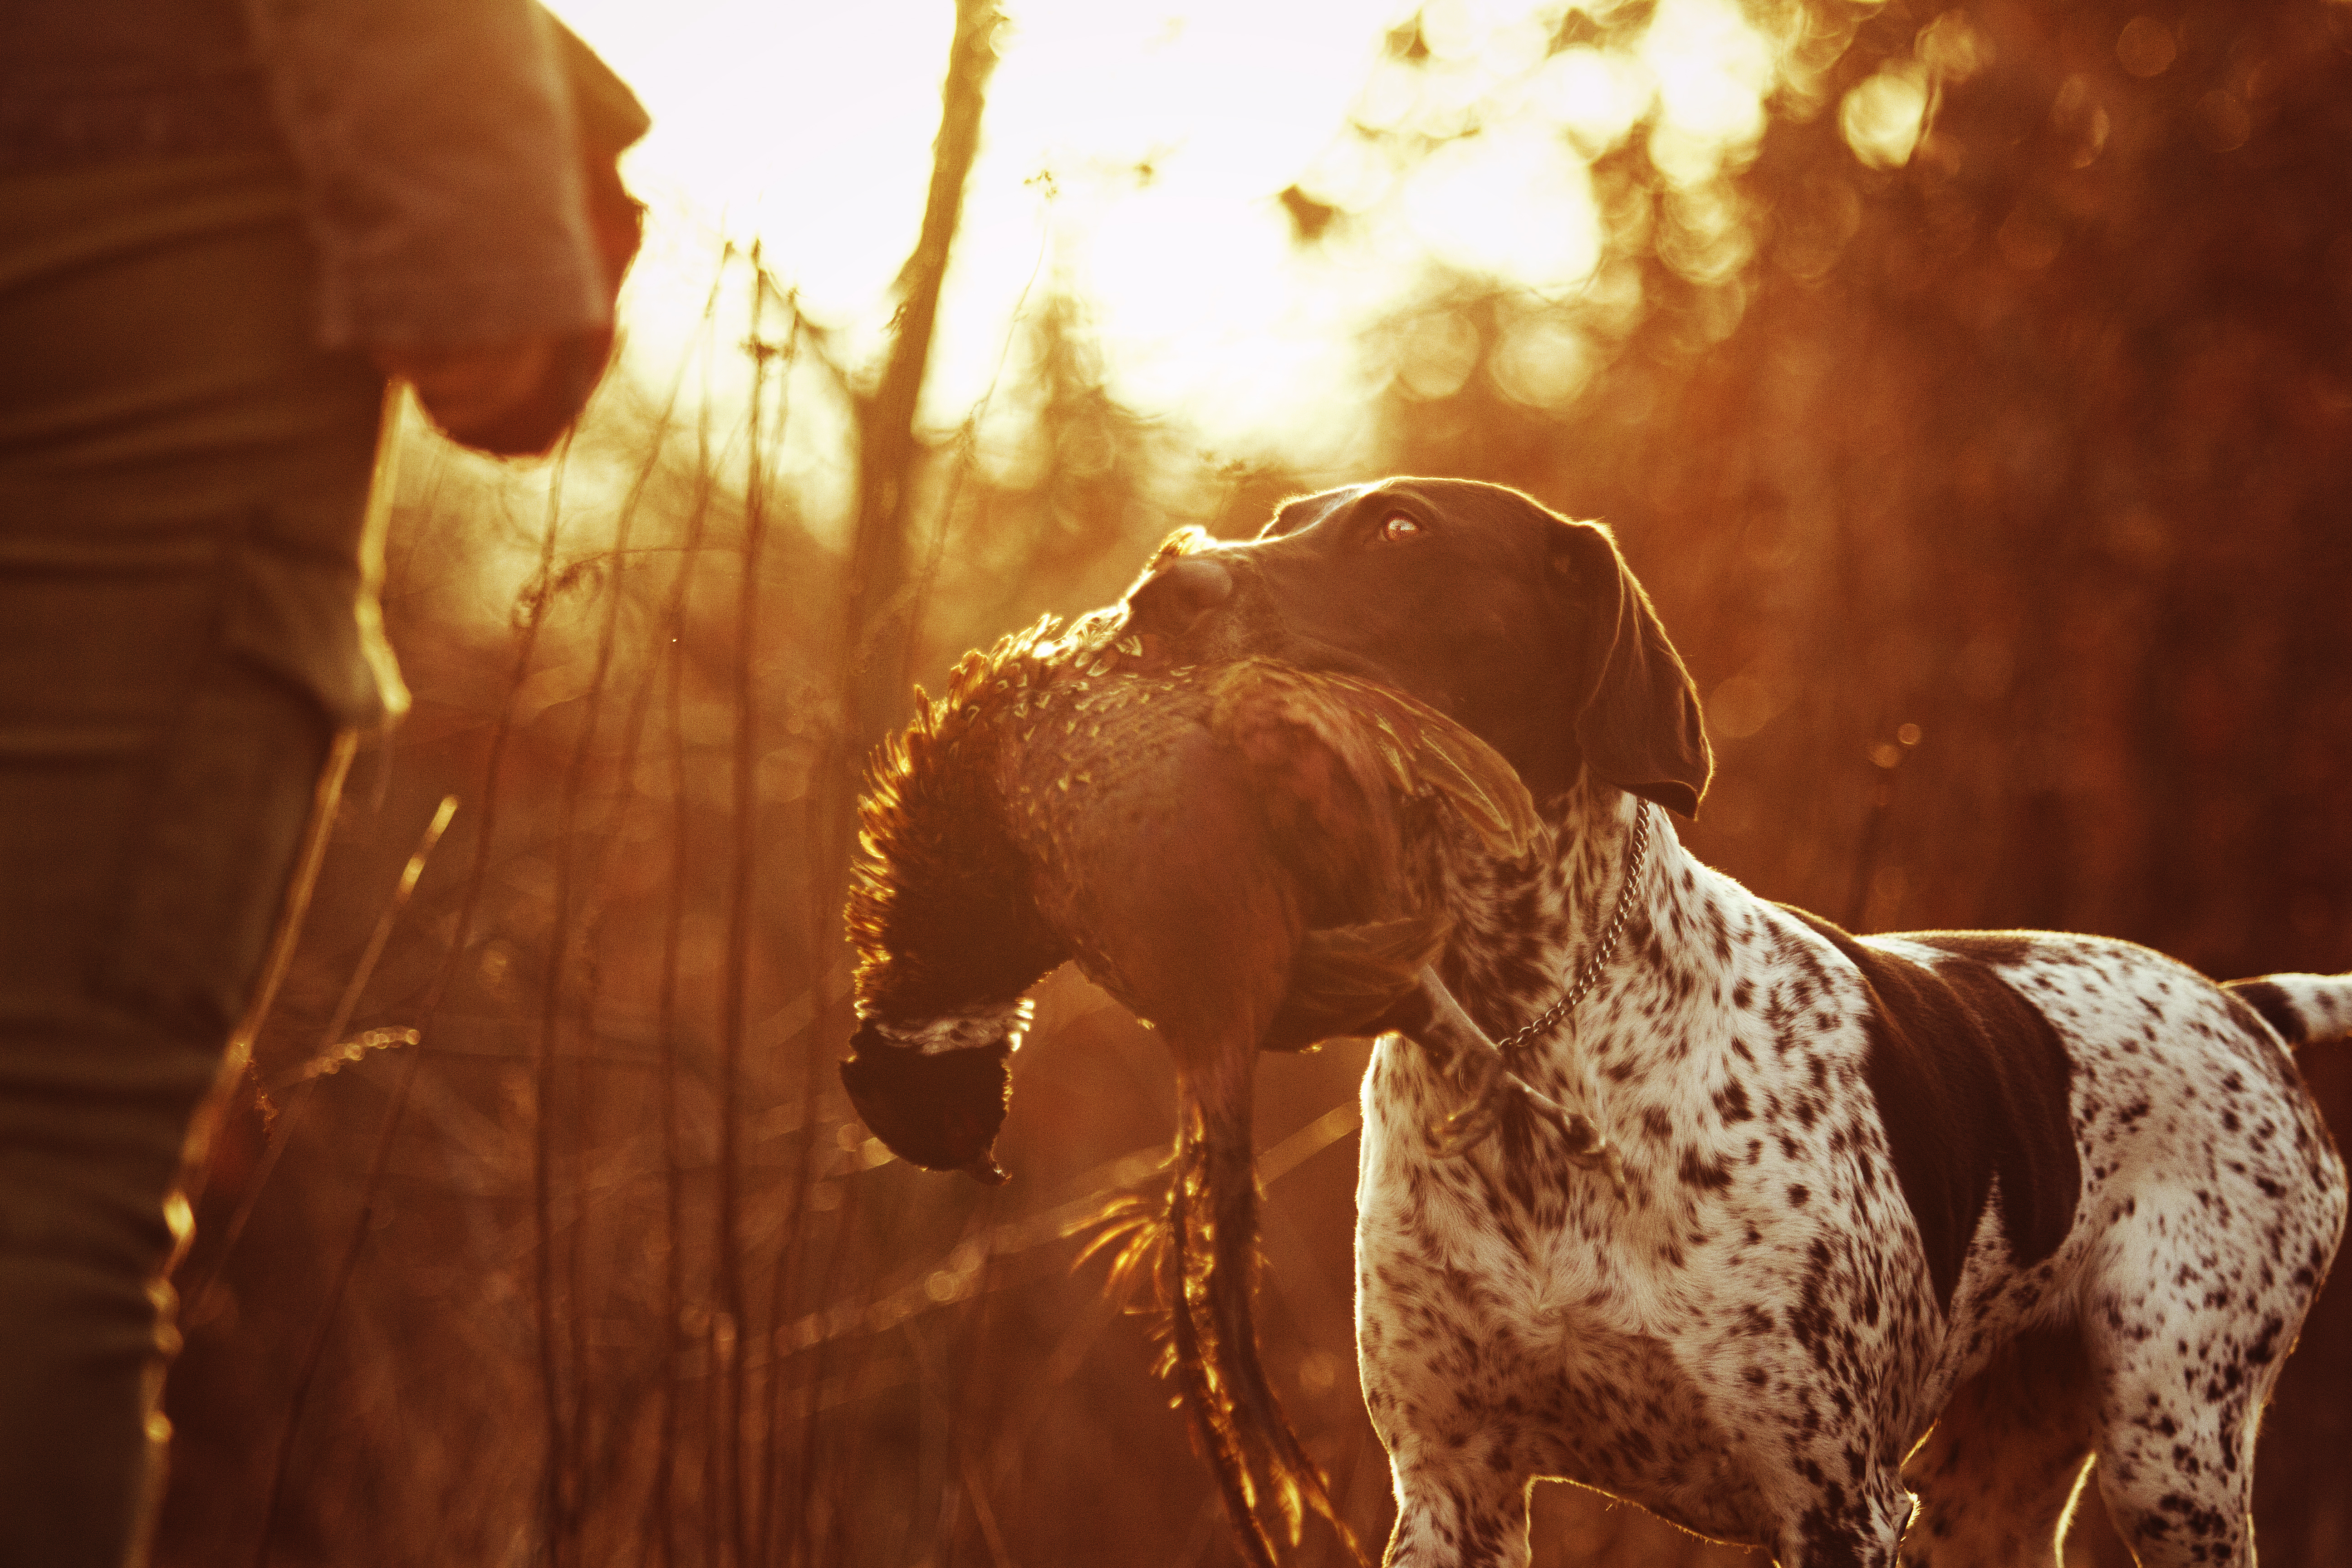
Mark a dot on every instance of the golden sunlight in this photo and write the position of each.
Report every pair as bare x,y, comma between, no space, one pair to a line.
1136,158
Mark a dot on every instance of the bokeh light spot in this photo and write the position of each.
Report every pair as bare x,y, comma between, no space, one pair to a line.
1881,118
1594,96
1712,70
2145,47
1513,203
1439,351
1544,362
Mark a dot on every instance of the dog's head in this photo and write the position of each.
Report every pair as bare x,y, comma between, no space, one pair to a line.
1526,628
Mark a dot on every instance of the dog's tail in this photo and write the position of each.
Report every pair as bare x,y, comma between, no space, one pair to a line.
2305,1009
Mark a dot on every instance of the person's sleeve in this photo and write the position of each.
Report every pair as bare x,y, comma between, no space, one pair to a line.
455,155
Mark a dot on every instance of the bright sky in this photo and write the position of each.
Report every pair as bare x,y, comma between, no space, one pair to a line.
1168,129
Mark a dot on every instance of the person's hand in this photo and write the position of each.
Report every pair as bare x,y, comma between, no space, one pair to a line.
515,400
512,400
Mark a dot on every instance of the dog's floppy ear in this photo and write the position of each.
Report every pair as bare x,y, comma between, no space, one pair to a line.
1634,708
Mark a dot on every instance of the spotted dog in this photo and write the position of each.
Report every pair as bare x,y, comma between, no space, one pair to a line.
1916,1231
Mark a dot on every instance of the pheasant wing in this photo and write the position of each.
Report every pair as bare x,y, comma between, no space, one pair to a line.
1305,731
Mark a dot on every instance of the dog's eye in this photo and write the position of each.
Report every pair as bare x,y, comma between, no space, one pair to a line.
1399,526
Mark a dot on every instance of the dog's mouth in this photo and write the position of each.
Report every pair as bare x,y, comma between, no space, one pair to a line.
1215,605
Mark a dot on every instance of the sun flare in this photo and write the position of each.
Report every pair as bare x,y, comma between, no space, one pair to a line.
1138,159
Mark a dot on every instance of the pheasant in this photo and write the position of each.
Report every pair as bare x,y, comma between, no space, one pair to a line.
1249,857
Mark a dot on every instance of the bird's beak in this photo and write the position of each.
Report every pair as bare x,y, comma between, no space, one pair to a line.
986,1171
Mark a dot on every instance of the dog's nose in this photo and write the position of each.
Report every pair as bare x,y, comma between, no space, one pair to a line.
1173,598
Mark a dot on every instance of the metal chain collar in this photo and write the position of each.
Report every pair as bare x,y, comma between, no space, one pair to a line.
1590,973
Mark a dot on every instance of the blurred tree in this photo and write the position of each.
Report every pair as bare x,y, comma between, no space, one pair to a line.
880,625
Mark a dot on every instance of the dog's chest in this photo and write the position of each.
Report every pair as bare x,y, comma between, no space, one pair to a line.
1762,1263
1526,1333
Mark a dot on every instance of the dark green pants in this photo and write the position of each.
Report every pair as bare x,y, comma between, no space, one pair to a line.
184,628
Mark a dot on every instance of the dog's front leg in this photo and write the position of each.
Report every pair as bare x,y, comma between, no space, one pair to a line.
1459,1515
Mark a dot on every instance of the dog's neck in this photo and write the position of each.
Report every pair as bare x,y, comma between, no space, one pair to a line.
1528,933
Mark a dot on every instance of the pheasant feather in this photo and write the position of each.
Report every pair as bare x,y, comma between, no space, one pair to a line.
1246,854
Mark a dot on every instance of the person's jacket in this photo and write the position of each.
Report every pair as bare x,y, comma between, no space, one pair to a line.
454,155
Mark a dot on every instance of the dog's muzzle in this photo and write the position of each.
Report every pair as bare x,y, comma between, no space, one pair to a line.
1209,606
1216,604
1172,601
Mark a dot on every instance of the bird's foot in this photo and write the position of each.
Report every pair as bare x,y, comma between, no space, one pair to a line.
1463,1052
1491,1086
1602,1157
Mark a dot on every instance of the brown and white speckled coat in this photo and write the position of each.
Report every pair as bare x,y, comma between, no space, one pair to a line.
2114,1231
2016,1200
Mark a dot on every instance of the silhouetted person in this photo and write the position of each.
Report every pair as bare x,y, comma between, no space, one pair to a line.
222,225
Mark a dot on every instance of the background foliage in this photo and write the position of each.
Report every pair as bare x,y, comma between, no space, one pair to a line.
1991,476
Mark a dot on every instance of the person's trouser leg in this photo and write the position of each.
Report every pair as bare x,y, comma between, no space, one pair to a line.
183,629
143,885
